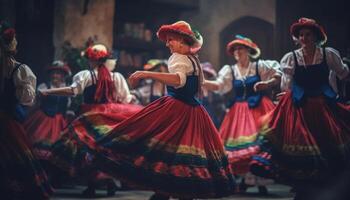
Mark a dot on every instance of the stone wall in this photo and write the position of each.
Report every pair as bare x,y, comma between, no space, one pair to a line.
75,21
213,16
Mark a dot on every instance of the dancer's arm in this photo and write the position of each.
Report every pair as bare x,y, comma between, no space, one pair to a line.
211,85
270,74
223,82
63,91
171,79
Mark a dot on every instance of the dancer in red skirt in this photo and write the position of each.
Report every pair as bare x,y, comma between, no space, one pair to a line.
21,175
103,92
248,80
44,126
171,146
309,131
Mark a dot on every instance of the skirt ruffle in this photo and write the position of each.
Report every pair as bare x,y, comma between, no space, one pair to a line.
125,110
43,131
170,147
21,174
306,142
72,155
239,133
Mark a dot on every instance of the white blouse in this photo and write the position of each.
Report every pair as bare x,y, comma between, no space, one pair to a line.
83,79
181,65
25,83
267,69
335,64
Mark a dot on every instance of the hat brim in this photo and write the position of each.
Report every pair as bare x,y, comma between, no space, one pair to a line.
318,30
165,30
254,50
168,29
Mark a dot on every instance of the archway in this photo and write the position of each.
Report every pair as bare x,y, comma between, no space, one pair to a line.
259,30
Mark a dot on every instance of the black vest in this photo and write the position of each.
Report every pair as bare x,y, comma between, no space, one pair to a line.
312,80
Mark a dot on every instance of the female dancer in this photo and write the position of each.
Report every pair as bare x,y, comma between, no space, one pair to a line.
171,146
21,175
308,132
44,126
248,80
103,91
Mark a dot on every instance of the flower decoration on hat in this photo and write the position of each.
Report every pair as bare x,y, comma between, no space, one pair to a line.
97,52
7,33
312,25
183,29
254,50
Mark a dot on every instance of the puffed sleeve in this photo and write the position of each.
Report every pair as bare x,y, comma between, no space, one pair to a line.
287,68
25,82
80,81
123,92
225,79
336,64
269,69
181,65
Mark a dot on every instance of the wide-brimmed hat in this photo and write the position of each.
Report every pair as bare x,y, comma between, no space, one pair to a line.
59,65
97,52
311,24
183,29
208,68
254,50
153,63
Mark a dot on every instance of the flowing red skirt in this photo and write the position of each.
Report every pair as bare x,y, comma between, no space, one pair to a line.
307,141
239,133
71,155
125,110
169,147
21,174
43,131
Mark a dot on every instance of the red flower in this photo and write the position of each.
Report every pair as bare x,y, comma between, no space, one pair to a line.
96,55
9,34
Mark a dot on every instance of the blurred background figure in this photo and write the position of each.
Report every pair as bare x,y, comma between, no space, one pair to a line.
44,125
248,80
213,102
151,90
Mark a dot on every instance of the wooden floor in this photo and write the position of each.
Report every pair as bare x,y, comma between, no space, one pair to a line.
276,192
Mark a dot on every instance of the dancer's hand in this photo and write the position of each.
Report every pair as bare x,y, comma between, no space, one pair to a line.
43,93
280,95
262,85
136,77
